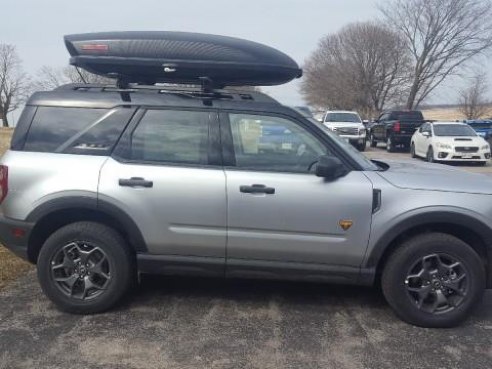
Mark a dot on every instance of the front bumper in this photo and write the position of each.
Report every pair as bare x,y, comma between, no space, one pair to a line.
14,235
354,139
452,155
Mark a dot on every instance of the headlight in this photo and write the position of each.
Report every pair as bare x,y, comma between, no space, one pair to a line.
485,147
444,146
362,131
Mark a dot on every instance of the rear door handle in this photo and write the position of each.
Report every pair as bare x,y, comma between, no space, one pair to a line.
135,182
257,188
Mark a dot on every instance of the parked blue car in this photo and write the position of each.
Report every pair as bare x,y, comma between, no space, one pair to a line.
482,127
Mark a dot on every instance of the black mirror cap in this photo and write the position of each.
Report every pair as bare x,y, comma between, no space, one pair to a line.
330,167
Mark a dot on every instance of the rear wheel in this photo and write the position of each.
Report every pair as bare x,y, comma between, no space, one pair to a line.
389,145
433,280
85,267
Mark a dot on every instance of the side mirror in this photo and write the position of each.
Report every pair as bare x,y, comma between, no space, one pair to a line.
426,133
330,167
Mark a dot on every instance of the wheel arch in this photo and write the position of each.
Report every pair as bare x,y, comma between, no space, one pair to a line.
57,213
468,229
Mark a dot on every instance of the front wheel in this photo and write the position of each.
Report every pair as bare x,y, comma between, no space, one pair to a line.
433,280
412,150
430,155
85,268
361,146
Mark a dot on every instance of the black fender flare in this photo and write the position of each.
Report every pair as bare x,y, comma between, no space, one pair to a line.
416,220
98,205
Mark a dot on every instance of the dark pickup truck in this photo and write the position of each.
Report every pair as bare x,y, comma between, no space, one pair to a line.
396,128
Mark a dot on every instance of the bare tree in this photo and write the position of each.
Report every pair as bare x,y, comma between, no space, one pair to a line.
361,67
472,101
441,36
14,83
49,78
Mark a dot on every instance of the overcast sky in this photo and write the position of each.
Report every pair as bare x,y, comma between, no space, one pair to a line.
293,26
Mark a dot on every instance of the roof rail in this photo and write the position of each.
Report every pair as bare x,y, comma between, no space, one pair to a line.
190,91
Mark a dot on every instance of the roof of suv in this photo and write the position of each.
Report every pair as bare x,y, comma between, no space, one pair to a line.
342,111
107,96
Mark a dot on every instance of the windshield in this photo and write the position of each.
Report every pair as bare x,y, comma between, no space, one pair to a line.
343,117
453,130
363,161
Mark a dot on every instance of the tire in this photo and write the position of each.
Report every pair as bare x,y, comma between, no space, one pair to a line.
412,150
397,282
94,268
430,155
373,141
361,147
389,145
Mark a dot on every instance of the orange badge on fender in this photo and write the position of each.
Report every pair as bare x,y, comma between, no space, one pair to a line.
345,224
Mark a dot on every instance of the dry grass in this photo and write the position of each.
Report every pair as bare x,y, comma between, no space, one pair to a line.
450,114
10,265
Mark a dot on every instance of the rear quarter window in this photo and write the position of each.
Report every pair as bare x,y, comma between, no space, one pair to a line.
407,115
76,130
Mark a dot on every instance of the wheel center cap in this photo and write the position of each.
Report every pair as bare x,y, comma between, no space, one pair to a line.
437,284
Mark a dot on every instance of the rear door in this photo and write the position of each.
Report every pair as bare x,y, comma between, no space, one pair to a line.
166,175
278,210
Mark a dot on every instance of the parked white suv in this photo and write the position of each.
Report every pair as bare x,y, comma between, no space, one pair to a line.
449,141
348,125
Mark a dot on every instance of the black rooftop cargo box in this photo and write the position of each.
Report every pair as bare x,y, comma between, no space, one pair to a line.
180,57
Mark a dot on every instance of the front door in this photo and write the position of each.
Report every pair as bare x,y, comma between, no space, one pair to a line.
277,209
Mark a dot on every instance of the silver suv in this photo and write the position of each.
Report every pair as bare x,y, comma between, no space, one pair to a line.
100,185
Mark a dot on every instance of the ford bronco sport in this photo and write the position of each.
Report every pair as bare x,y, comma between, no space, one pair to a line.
104,182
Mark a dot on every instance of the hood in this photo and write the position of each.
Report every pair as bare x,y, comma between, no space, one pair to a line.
435,177
462,141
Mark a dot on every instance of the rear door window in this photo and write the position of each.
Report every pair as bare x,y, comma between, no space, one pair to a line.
76,130
171,136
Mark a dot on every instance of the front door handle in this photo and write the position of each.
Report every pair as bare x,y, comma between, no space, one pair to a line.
257,188
135,182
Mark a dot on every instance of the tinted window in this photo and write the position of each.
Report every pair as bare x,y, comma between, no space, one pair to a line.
53,128
99,139
171,136
453,130
481,125
407,115
274,144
